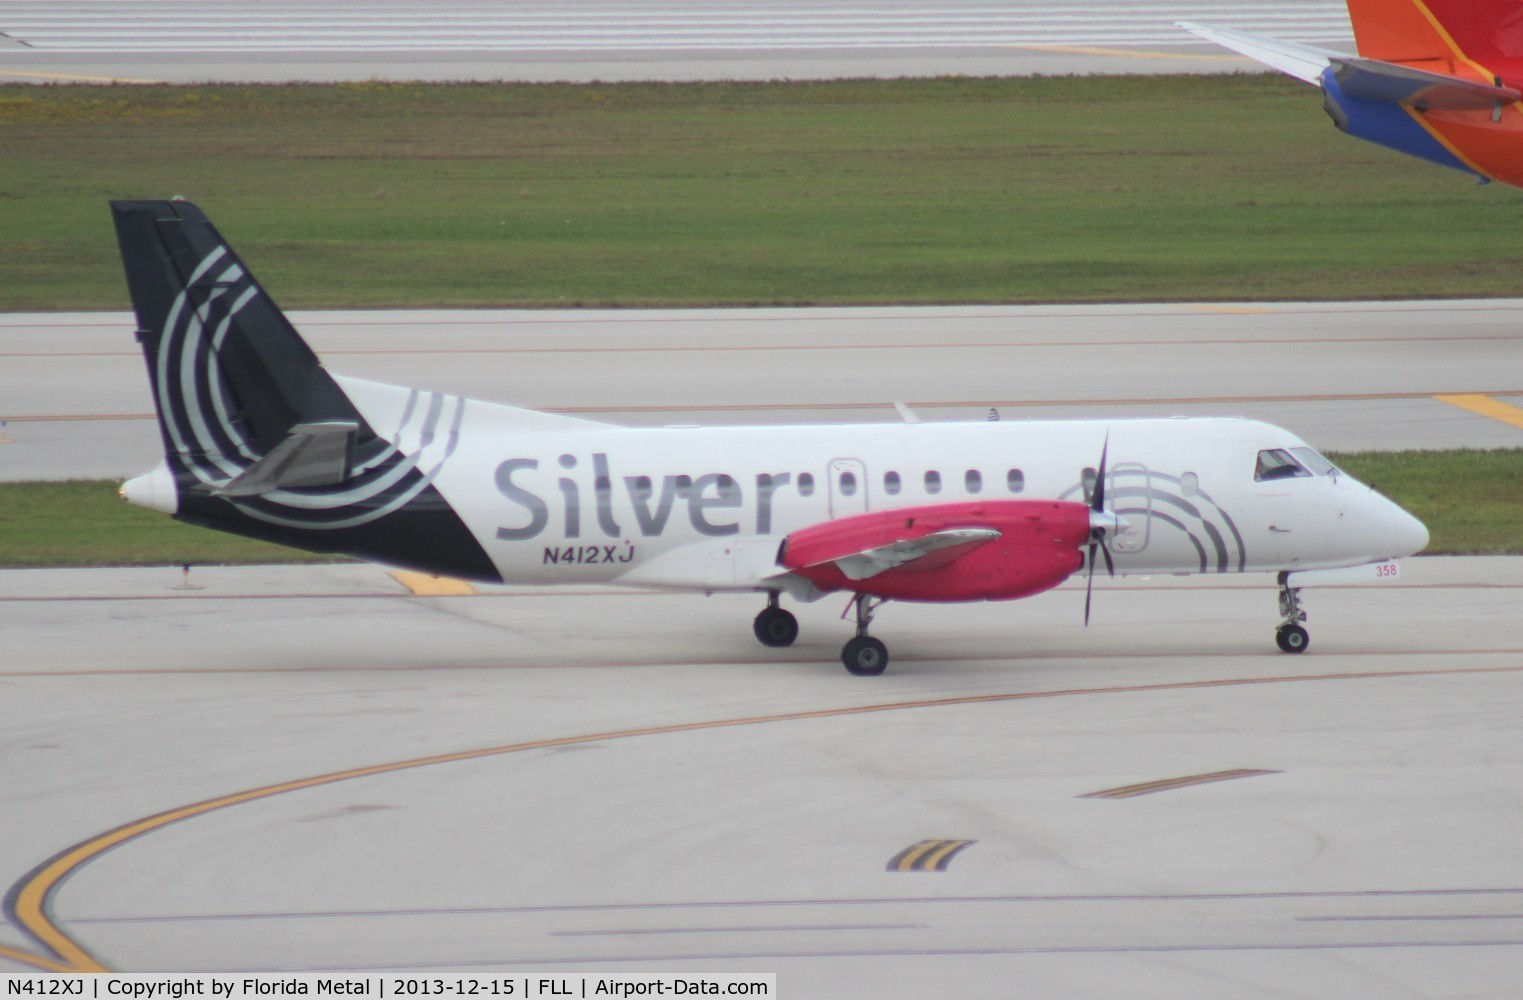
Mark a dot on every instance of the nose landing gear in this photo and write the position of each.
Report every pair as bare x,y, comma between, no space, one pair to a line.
864,656
1290,636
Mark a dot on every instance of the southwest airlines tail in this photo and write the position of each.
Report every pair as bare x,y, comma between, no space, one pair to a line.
259,439
1436,79
1439,31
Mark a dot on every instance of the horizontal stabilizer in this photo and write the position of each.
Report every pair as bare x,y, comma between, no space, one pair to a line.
1371,80
316,454
1304,62
867,564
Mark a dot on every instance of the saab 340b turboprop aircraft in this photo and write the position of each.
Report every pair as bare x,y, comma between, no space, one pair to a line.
1436,79
261,440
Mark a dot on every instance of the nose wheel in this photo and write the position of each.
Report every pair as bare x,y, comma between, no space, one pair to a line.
1291,639
1290,636
864,656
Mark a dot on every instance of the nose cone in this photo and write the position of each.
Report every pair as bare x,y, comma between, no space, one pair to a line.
154,490
1411,534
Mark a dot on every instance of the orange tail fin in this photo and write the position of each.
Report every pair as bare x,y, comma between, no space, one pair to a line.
1457,31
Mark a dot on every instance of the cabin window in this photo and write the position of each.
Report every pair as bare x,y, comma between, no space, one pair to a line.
726,486
642,487
933,482
684,484
973,481
848,484
1015,481
1189,484
891,483
806,484
1277,463
1087,480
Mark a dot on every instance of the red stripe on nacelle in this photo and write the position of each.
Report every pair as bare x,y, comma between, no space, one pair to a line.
1038,548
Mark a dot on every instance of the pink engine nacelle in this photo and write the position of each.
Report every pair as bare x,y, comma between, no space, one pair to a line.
1038,548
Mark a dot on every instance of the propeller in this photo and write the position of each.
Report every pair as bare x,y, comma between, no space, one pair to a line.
1099,523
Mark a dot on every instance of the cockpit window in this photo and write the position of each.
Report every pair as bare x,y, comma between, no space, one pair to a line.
1318,465
1277,463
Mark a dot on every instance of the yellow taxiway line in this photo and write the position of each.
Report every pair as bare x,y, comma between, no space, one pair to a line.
76,79
424,585
1486,407
1166,784
29,902
927,856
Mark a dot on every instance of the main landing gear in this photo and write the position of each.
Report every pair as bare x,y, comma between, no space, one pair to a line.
1290,636
864,656
774,626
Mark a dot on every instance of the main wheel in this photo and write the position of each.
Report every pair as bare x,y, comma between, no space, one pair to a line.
1292,639
776,627
865,656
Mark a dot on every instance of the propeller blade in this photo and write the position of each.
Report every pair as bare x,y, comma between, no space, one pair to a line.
1089,587
1097,501
1097,534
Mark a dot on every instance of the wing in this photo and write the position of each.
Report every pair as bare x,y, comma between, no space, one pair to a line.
926,552
964,551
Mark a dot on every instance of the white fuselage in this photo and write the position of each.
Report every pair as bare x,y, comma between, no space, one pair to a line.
556,500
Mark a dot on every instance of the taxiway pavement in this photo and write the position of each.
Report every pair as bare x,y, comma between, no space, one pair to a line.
629,782
1345,376
620,40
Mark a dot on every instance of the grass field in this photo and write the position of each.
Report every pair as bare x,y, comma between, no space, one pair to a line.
949,190
1470,501
84,523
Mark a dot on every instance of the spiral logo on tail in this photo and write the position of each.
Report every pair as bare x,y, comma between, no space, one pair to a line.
199,410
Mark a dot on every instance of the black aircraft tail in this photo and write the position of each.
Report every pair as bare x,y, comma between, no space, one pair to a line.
259,438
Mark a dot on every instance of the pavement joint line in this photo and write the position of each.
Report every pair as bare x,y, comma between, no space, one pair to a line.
1355,397
311,318
741,904
1105,50
815,346
825,655
29,902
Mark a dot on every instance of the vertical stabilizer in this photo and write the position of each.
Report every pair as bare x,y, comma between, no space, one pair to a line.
1460,32
231,377
259,439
